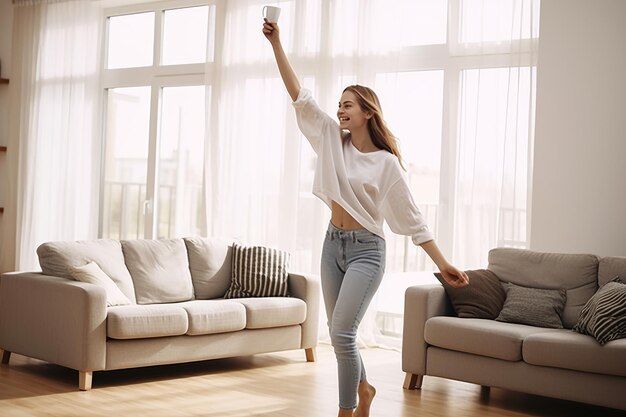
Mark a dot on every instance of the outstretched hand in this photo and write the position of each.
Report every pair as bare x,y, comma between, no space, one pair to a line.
271,31
453,276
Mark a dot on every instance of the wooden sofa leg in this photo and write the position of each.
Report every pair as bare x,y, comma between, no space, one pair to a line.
310,354
412,381
6,355
84,380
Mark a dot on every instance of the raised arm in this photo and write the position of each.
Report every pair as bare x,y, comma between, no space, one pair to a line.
272,33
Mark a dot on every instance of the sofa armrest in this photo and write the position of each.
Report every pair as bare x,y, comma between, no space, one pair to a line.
53,319
307,288
421,302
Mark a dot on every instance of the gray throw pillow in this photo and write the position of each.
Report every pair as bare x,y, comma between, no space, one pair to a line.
258,271
483,298
604,315
533,306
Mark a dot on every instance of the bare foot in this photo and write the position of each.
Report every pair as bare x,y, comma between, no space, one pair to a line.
366,395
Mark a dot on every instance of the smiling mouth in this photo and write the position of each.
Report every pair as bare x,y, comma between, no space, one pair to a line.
344,119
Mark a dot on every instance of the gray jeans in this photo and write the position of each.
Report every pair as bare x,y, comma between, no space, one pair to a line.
353,262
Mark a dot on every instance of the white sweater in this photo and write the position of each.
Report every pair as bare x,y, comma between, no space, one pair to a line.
370,186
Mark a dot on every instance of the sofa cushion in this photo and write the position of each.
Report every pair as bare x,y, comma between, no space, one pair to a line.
570,350
210,266
480,337
214,316
533,306
482,299
609,268
56,257
258,271
266,312
93,274
160,270
141,321
604,315
577,274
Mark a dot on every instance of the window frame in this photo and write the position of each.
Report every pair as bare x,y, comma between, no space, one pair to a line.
157,77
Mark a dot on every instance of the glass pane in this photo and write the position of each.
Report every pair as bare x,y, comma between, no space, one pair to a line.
499,20
185,35
181,159
412,103
131,40
126,162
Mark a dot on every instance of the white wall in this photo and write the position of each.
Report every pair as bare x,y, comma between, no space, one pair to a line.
579,180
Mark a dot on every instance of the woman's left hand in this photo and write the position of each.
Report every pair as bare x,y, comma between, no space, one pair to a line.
454,277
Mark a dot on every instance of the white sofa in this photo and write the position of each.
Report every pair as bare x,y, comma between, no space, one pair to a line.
552,362
177,313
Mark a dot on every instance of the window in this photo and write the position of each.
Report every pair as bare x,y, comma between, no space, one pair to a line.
456,83
157,100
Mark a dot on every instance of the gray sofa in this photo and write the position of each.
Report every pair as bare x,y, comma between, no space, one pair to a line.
176,311
551,362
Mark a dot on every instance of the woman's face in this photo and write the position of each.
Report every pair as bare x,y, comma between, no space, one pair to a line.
351,116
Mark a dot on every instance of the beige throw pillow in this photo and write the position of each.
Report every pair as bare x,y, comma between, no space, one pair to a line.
92,274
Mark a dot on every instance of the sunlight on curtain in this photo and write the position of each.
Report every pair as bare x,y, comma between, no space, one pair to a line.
496,130
493,175
260,168
54,125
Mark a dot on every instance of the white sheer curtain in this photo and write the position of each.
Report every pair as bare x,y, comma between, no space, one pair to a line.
496,127
53,146
259,170
464,122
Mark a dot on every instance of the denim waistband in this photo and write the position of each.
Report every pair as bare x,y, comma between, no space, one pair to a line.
334,232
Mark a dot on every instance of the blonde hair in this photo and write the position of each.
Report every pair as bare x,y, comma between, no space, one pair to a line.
376,126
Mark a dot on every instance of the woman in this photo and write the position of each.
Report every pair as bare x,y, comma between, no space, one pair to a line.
359,176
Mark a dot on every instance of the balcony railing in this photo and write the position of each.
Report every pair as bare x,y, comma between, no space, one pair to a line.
123,217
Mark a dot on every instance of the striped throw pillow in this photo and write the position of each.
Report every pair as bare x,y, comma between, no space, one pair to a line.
604,315
258,271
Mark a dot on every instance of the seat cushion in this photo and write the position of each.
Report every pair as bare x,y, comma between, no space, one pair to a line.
142,321
480,337
570,350
160,270
56,257
266,312
577,274
210,265
214,316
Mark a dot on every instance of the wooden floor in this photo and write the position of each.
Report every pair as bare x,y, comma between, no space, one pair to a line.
277,385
